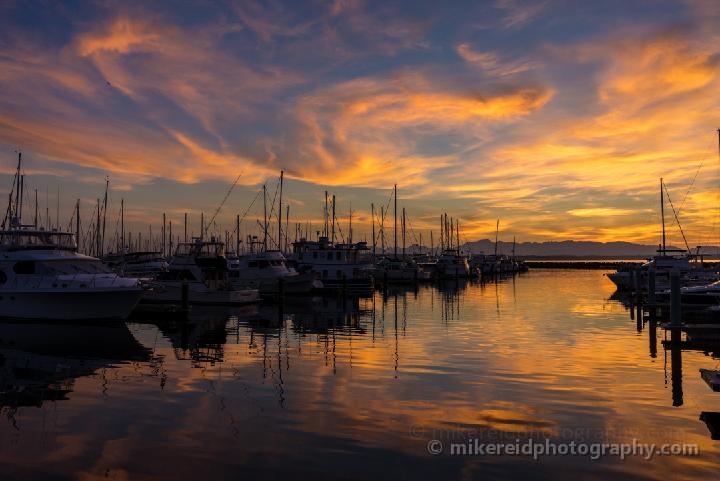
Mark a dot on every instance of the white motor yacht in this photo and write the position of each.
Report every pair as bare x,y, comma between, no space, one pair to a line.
42,276
201,268
268,272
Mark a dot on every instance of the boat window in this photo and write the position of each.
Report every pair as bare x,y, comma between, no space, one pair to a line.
252,264
24,267
338,274
3,278
263,264
314,255
325,274
339,255
73,266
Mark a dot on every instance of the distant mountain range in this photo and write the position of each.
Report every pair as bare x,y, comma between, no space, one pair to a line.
584,249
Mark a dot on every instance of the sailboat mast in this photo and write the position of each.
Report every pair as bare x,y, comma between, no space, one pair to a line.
122,225
403,232
15,213
333,220
372,217
457,229
280,213
77,224
395,219
662,215
497,229
102,240
265,223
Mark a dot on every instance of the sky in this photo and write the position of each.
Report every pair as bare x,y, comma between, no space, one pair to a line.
556,118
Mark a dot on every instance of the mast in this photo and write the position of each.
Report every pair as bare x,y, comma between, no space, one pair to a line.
97,231
17,193
77,224
280,213
102,239
662,215
122,225
372,217
325,215
163,235
403,232
287,227
395,220
497,228
333,219
457,229
237,234
22,192
265,224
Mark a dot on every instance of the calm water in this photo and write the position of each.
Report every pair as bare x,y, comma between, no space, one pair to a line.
358,390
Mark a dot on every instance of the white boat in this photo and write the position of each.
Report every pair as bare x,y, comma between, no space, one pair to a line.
393,270
137,263
42,276
706,294
344,267
198,274
692,269
268,272
452,265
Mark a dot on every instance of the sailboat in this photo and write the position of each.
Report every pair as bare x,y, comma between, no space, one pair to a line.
393,269
693,271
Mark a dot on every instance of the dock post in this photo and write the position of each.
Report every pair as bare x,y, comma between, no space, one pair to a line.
185,296
281,289
675,311
676,367
651,287
638,284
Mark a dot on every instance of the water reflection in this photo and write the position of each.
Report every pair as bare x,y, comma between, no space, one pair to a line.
40,362
335,388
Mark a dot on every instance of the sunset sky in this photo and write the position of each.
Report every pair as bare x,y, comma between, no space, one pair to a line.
556,117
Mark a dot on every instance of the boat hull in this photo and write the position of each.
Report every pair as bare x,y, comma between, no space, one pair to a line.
198,294
53,304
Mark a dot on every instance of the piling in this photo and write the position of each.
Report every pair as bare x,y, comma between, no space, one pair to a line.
185,296
675,310
651,287
637,278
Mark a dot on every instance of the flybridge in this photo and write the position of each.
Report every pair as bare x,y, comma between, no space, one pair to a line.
32,238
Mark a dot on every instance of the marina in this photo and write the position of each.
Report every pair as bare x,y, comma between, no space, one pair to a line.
367,382
359,241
